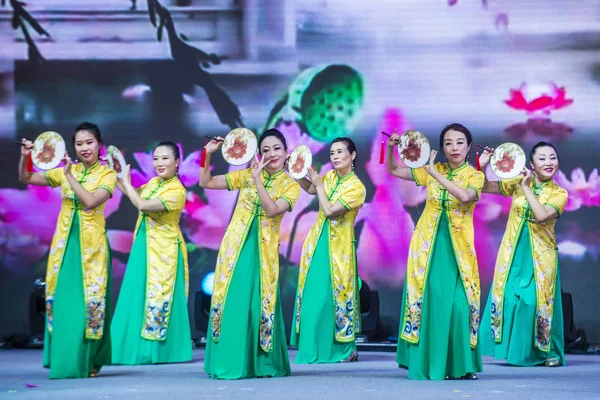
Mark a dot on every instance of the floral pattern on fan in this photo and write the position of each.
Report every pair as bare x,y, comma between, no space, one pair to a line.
115,159
239,146
414,149
300,161
508,160
48,150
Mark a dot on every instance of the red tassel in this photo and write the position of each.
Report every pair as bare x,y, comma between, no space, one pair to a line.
382,152
477,165
29,164
203,155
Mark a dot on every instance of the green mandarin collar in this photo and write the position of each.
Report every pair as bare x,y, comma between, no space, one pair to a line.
455,170
345,177
541,185
163,181
268,176
91,168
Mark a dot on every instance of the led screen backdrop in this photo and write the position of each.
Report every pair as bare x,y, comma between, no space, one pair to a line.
520,71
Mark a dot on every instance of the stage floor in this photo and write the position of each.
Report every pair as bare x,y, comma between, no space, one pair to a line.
376,376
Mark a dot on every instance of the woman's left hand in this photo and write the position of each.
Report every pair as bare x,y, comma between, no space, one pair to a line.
126,179
314,176
431,167
258,166
527,178
68,164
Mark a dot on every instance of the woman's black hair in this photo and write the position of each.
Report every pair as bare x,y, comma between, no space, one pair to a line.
174,148
456,127
542,144
350,146
272,132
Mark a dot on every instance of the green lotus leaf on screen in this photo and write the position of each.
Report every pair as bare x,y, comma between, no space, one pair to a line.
325,101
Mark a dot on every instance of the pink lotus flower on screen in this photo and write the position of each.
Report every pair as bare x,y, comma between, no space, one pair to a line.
205,220
538,98
388,226
489,208
135,92
540,128
501,21
189,168
28,221
120,242
118,268
578,243
582,192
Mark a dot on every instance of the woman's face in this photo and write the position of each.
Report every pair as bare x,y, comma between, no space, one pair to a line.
340,157
545,163
272,149
456,147
87,147
165,163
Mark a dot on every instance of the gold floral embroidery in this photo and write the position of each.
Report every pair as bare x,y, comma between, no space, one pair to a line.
350,192
543,250
164,241
278,185
94,247
441,204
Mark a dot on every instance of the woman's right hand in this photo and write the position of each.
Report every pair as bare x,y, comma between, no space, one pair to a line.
394,140
26,147
486,156
214,145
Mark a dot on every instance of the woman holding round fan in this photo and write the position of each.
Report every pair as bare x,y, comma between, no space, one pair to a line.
246,335
78,279
440,304
523,319
327,307
151,323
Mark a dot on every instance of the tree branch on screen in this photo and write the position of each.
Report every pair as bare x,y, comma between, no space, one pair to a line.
19,19
191,62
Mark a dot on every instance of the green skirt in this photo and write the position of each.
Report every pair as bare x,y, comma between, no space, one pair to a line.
519,322
67,352
444,348
128,345
316,341
238,354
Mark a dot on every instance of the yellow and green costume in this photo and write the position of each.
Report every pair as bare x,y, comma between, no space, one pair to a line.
78,278
523,320
440,305
327,307
246,335
151,323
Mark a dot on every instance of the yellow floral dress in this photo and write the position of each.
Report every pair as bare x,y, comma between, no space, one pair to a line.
78,279
442,266
245,332
332,316
528,330
151,323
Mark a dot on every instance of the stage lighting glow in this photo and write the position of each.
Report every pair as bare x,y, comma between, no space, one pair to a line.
207,283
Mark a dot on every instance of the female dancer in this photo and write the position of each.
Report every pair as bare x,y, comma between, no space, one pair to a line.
327,305
78,279
246,330
440,304
523,319
151,323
